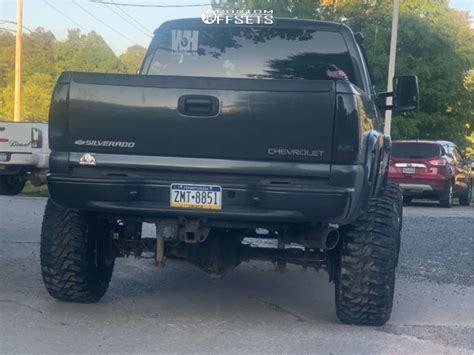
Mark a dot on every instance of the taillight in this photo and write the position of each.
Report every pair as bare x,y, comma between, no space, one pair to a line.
58,113
438,162
347,133
36,138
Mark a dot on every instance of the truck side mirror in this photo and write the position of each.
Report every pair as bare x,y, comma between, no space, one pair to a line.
405,95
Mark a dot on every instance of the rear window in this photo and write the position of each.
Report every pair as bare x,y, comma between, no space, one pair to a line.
415,150
250,52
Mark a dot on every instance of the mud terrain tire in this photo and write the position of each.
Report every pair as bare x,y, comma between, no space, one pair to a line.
75,261
369,251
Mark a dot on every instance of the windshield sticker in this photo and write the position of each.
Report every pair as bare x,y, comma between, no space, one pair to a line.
184,41
229,67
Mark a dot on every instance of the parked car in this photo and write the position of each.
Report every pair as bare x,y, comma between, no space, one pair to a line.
24,155
431,170
228,132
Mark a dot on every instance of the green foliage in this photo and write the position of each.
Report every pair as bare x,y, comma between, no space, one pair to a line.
132,58
35,191
435,42
88,53
7,58
44,59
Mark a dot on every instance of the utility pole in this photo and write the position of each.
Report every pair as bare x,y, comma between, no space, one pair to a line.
18,55
391,63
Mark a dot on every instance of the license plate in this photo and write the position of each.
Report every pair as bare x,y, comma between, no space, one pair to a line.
196,196
409,170
3,156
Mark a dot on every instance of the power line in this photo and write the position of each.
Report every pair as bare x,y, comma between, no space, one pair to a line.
65,15
146,5
14,23
127,20
102,22
7,29
132,18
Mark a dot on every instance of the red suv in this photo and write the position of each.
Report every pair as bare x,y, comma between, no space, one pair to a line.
431,169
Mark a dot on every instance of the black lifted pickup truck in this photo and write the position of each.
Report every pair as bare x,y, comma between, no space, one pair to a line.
228,135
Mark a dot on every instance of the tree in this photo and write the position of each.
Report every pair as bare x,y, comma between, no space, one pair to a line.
44,59
470,147
132,58
86,52
7,57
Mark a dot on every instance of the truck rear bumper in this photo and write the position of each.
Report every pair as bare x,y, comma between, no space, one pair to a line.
239,201
245,197
38,160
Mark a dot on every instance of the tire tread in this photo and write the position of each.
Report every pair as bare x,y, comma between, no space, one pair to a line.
368,257
68,259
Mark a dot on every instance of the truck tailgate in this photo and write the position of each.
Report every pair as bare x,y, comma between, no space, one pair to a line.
15,137
284,120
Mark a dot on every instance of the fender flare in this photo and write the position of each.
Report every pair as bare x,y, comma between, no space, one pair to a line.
378,148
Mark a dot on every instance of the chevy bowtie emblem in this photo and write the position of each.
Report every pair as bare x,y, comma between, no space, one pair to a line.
87,159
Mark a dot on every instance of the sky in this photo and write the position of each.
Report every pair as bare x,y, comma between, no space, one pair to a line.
117,25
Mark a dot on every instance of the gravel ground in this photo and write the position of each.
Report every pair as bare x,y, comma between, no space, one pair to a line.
447,257
254,310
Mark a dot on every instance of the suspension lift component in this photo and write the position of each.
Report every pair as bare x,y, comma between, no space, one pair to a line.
160,249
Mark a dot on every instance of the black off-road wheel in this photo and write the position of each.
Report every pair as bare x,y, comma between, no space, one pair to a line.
465,198
77,258
11,185
368,255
